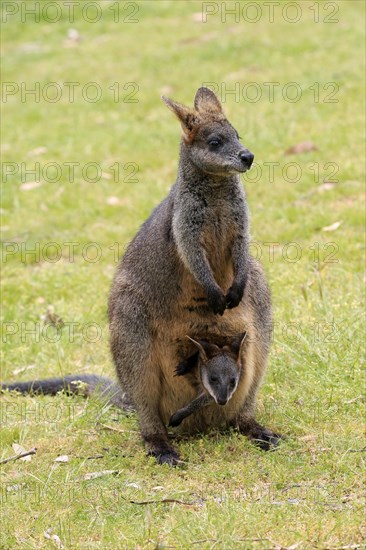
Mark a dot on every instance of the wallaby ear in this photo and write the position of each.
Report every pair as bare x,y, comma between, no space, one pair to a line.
188,117
206,101
237,343
206,349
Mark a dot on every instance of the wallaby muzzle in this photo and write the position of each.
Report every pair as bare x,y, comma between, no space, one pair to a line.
247,158
223,397
221,401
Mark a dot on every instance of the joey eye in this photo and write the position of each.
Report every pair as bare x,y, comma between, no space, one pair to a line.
213,379
214,142
232,382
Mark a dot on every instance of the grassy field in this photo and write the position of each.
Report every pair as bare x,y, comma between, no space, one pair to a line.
103,152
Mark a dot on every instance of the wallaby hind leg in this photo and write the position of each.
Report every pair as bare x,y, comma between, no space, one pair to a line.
145,393
139,373
153,430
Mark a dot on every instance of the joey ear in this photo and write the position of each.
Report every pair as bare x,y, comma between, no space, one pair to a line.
206,101
237,343
188,117
187,365
206,349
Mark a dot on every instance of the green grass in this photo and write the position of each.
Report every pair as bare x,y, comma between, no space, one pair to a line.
308,494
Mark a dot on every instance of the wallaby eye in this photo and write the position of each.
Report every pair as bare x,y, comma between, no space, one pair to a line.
214,142
213,379
232,382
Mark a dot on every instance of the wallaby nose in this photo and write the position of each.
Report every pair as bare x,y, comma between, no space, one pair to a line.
247,157
221,401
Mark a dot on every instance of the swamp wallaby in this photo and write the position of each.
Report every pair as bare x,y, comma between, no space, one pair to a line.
214,371
188,271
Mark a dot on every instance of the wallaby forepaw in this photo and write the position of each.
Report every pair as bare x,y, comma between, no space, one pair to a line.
217,302
234,296
187,365
175,420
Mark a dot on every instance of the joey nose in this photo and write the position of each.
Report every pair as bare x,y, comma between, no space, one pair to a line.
247,158
221,401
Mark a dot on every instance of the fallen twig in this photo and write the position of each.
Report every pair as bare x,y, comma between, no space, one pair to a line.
164,500
20,455
358,450
90,457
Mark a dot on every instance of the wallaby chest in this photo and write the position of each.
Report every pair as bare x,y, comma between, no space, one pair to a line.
218,232
216,216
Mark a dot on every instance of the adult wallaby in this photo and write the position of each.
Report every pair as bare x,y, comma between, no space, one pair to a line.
188,271
214,372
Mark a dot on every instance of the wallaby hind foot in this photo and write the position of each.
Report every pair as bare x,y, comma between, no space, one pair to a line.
160,449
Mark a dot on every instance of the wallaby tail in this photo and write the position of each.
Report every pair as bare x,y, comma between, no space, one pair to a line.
84,384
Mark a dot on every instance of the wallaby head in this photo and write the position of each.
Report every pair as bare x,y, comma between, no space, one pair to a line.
209,140
220,367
